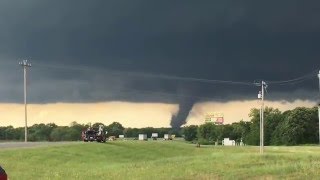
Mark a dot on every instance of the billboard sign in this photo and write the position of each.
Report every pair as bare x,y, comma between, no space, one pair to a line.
216,118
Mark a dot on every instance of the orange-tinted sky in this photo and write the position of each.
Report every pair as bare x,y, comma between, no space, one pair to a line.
130,114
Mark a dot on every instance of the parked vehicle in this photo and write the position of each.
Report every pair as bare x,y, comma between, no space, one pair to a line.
92,135
169,136
3,174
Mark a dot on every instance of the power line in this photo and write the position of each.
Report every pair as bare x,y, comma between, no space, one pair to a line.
148,75
295,80
179,78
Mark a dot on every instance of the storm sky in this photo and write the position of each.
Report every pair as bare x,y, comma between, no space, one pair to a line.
158,51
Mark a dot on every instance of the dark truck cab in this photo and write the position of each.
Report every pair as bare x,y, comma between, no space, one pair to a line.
92,135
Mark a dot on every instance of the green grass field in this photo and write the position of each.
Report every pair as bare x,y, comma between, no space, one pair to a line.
159,160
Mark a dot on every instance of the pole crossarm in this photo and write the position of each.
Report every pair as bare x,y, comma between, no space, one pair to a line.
25,63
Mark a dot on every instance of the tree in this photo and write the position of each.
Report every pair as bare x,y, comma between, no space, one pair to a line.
147,130
72,134
241,130
97,124
9,133
253,136
226,131
115,129
59,134
190,132
40,132
207,133
271,120
75,131
272,117
131,132
298,127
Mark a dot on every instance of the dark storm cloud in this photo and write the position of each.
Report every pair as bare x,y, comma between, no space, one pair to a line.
228,40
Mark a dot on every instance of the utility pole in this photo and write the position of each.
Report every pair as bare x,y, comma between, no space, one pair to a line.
260,93
262,115
261,96
25,65
319,106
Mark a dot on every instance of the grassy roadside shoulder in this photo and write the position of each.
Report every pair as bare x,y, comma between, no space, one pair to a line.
159,160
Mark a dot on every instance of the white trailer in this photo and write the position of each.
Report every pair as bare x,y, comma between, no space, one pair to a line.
143,137
121,136
154,136
167,137
228,142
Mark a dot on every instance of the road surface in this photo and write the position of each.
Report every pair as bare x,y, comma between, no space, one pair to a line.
14,145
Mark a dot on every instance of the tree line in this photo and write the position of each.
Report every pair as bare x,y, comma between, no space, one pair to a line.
52,132
292,127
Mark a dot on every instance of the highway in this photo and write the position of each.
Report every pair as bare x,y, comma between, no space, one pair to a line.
14,145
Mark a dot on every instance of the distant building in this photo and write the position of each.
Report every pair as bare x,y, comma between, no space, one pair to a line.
121,136
228,142
168,137
154,136
143,137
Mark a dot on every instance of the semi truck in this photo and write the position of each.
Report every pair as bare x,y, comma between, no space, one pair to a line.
90,134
